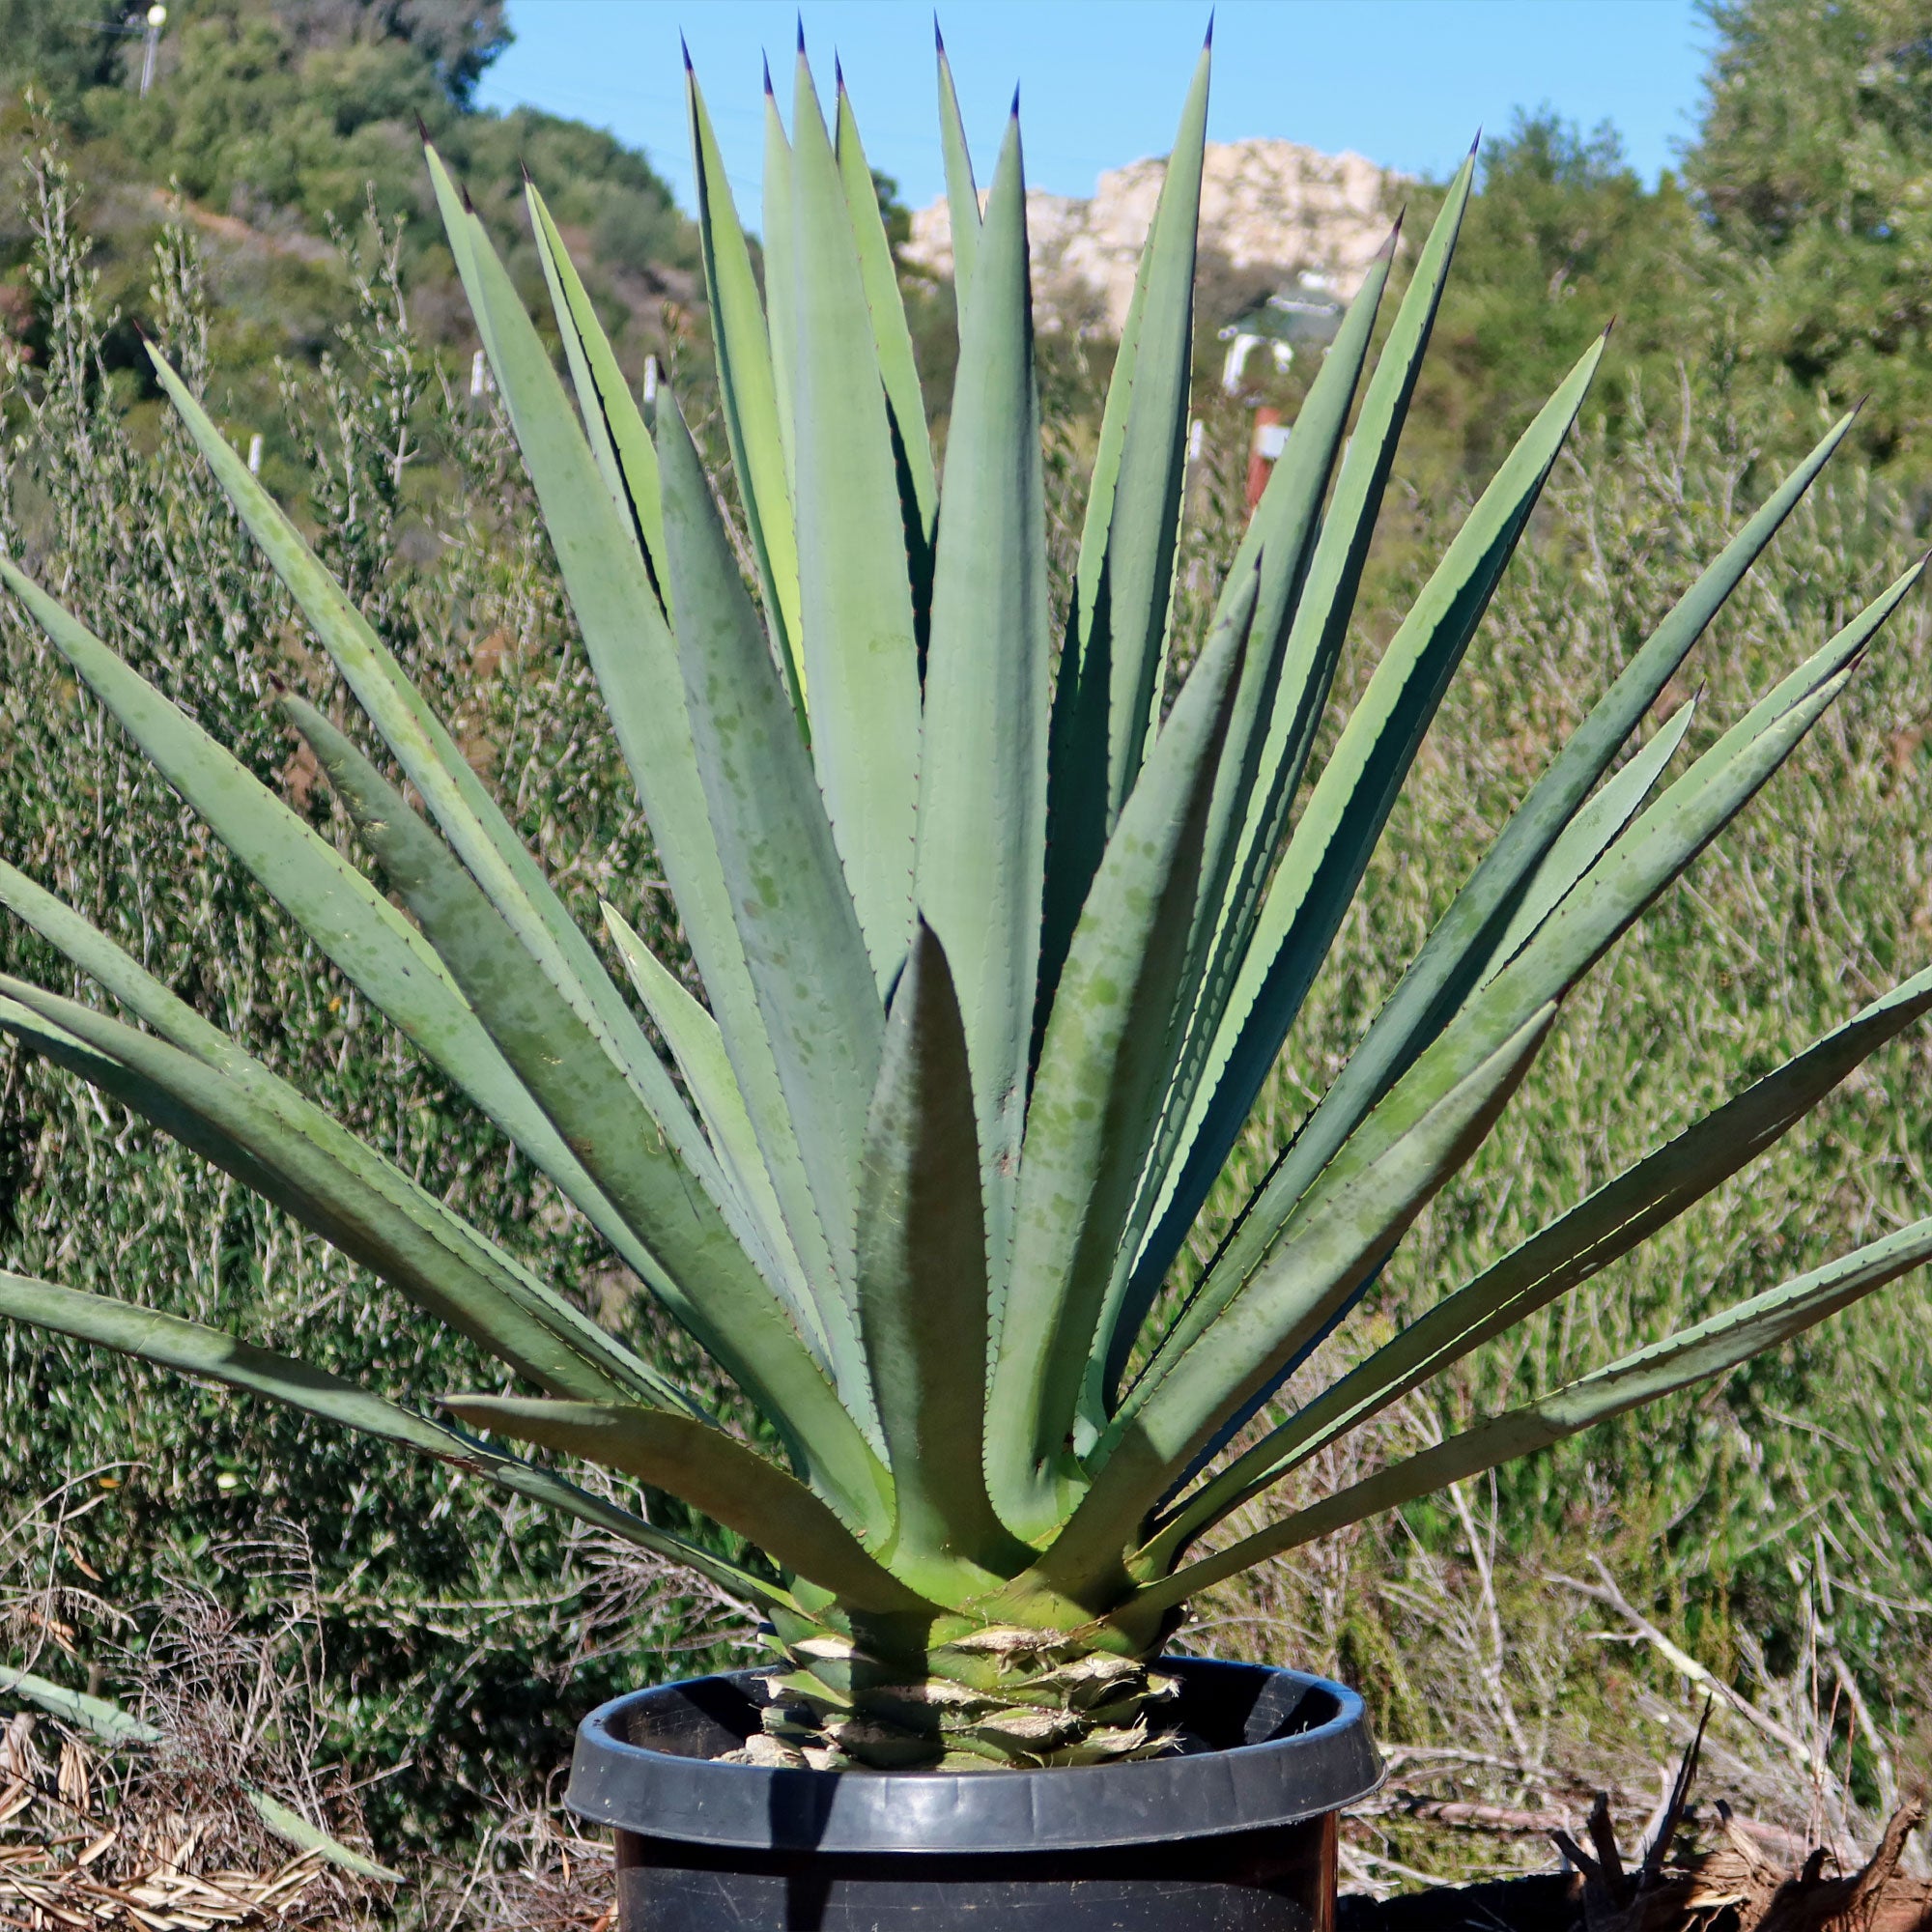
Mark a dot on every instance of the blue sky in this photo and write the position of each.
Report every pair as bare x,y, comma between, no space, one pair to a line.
1406,82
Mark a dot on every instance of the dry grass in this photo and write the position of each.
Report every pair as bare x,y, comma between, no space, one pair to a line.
231,1713
534,1870
1513,1695
62,1866
166,1834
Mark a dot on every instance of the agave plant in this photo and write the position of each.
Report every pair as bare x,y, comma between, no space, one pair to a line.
997,942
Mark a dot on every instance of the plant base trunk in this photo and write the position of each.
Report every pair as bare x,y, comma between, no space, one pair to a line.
1235,1833
995,1696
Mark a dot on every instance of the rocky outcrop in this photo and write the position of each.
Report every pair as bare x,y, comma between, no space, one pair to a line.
1266,207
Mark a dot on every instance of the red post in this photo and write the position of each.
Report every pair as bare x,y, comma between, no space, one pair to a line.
1262,449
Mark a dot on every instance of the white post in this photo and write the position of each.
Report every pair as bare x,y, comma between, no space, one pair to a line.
1237,361
157,18
255,454
479,374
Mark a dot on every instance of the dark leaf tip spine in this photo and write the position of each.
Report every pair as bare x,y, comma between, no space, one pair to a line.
1208,40
684,48
938,39
769,91
1014,112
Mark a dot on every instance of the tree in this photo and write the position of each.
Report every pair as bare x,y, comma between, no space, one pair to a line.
460,37
1814,170
1562,238
58,45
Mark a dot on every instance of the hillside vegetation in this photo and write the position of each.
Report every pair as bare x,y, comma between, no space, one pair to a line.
285,134
262,213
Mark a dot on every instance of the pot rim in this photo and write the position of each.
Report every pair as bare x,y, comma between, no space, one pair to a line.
1277,1778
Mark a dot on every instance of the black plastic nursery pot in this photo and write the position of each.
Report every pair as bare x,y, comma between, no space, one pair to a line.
1236,1835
